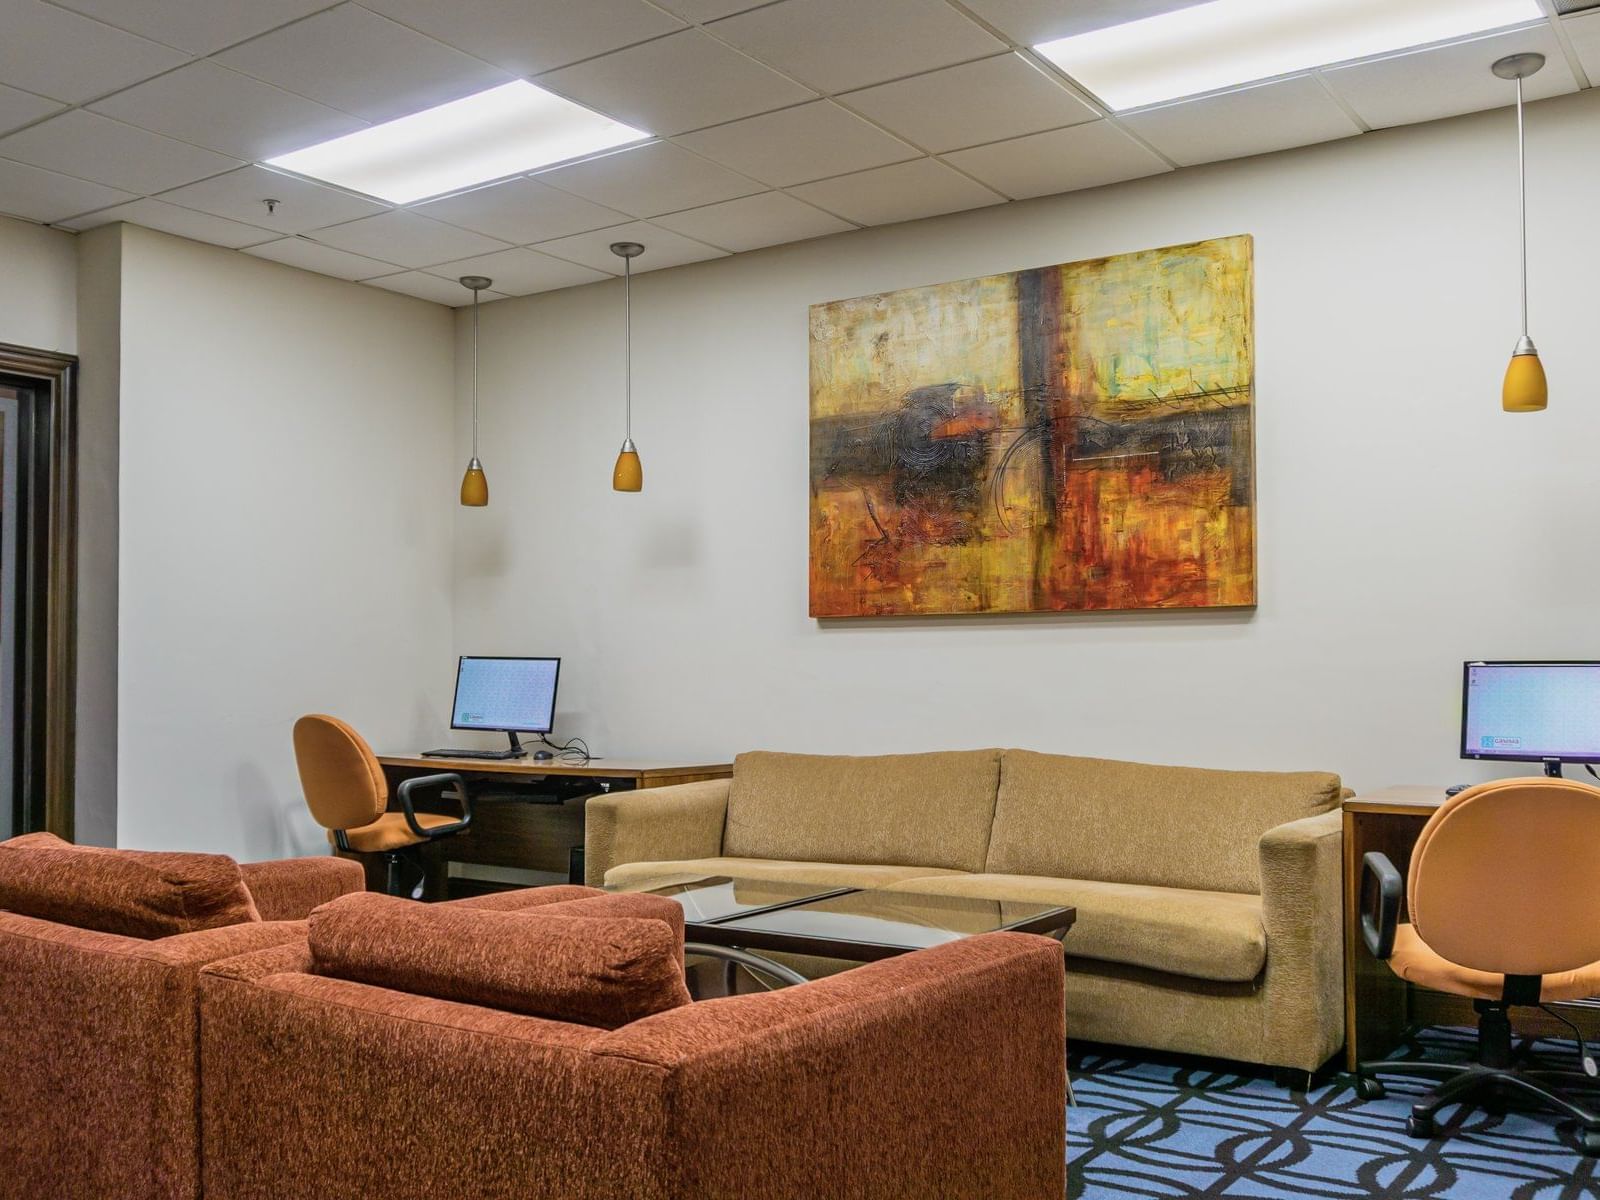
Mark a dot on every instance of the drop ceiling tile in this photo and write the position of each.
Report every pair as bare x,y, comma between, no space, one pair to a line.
1254,120
358,62
1029,22
905,192
429,287
1584,31
90,146
302,205
182,222
662,248
650,179
324,260
17,108
1448,80
754,221
521,211
1063,160
795,145
520,272
686,81
407,239
837,45
40,195
707,10
228,112
59,54
985,101
198,26
529,36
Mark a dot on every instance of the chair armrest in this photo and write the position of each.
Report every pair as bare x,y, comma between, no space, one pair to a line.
441,780
289,888
653,825
882,1078
1302,909
1381,892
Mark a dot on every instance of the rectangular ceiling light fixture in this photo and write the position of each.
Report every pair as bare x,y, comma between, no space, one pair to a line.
1229,43
505,131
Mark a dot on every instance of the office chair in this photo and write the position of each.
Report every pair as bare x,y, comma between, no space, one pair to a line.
347,794
1504,908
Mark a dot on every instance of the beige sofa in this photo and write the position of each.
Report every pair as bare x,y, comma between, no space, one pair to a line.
1208,901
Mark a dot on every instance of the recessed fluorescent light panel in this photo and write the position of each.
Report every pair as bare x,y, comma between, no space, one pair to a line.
505,131
1227,43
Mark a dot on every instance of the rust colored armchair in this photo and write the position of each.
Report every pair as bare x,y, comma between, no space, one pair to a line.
100,952
470,1042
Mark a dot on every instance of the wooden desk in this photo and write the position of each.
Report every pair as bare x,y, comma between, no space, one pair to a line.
1378,1005
528,813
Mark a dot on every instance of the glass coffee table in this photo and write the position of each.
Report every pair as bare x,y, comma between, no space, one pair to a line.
729,918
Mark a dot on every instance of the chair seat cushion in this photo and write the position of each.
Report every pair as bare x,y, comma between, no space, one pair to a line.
390,832
826,874
135,893
1202,935
1415,962
599,970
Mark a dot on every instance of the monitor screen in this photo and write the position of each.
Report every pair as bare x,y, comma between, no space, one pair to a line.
508,695
1528,711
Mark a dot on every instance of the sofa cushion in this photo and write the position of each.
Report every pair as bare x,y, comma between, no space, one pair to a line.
604,971
1203,935
823,874
933,810
134,893
1092,818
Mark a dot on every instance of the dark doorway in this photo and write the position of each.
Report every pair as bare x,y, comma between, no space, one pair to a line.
38,594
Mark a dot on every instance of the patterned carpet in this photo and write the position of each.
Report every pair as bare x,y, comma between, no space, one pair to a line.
1185,1129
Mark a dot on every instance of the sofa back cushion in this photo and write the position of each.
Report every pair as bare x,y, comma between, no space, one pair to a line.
923,810
604,971
1122,822
135,893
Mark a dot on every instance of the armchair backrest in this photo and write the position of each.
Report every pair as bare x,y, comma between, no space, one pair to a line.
1505,877
340,775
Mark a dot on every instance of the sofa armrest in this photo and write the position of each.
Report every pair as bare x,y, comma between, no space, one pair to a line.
1302,907
288,889
882,1077
653,825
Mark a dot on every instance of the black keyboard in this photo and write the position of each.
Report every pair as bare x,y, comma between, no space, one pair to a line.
486,754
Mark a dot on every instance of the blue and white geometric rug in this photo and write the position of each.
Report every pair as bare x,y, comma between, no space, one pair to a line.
1189,1129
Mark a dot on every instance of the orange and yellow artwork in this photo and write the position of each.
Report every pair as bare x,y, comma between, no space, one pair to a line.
1069,438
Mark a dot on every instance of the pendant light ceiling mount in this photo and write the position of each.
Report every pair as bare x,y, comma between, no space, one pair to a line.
1518,66
628,474
1525,388
475,484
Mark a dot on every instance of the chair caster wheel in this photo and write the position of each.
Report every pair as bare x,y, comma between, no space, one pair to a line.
1369,1089
1419,1127
1589,1140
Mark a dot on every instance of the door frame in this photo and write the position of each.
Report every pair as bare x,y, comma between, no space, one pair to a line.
47,539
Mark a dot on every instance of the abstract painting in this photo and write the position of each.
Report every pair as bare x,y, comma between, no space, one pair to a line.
1069,438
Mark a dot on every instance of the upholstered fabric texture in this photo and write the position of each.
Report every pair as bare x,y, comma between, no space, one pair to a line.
1415,962
820,873
681,821
931,810
576,965
874,1085
288,889
1093,818
389,832
135,893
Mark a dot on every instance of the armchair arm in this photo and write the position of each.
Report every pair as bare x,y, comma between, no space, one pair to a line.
653,825
1381,915
289,888
443,779
1302,908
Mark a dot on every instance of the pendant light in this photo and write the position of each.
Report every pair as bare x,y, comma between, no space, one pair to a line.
1525,389
628,474
474,484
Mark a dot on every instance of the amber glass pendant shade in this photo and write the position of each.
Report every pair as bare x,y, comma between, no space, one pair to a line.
628,474
474,486
1525,389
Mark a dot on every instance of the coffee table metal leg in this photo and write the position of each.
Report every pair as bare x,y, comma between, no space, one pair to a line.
743,958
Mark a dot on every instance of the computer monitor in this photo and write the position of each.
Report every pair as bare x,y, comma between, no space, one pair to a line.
506,695
1545,712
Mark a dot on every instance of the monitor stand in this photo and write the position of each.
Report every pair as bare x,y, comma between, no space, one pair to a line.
515,750
1552,768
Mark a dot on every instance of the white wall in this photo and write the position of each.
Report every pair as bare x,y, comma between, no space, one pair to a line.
38,287
286,499
1405,523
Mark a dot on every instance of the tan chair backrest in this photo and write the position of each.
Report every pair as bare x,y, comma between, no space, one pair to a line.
1505,877
339,773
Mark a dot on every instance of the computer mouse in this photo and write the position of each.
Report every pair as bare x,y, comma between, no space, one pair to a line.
542,756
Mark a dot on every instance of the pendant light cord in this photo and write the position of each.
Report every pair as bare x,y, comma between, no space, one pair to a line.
1522,205
627,353
475,293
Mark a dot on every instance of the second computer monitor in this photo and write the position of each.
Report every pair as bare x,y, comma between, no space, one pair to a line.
1531,712
506,695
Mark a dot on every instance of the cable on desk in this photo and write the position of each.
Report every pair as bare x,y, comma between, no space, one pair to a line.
573,751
